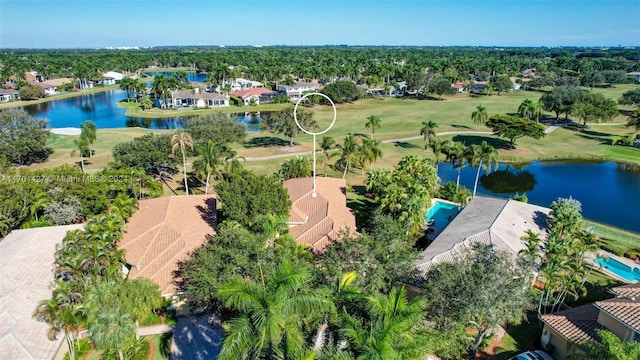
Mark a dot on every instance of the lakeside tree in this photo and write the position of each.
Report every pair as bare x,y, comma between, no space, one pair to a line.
88,131
217,127
513,128
481,156
144,152
31,92
23,138
437,146
454,152
592,107
634,121
246,196
282,122
495,292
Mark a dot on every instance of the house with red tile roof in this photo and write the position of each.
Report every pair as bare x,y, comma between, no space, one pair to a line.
564,331
255,95
9,95
162,234
48,88
316,221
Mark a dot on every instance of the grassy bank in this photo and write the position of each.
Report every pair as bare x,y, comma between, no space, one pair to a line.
134,110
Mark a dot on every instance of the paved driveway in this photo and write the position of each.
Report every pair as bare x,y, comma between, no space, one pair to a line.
196,337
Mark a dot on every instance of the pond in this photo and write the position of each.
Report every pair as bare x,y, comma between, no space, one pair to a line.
102,108
609,192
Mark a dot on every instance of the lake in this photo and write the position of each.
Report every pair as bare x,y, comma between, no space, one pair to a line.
102,108
609,192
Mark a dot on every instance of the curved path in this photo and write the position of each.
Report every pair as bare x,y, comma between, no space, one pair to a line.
304,153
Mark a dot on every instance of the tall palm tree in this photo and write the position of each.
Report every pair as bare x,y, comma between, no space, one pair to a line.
438,146
373,123
483,156
455,155
327,143
428,130
526,109
62,313
208,162
88,132
82,148
370,151
182,140
348,152
113,329
272,313
479,116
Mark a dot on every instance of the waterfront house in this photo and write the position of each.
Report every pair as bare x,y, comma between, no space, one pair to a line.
255,95
48,88
499,223
193,99
317,221
297,90
565,331
115,75
635,75
7,95
105,81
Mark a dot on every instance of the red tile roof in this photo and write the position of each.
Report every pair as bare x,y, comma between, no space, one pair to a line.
243,94
576,325
163,232
318,221
628,290
625,310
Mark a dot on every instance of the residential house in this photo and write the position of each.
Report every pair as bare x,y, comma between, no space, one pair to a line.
238,84
373,91
479,86
297,90
635,75
26,272
317,221
530,72
7,95
105,81
48,88
115,75
59,81
499,223
566,330
255,95
193,99
162,234
458,86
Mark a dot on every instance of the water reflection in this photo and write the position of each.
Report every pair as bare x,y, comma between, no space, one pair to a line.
508,182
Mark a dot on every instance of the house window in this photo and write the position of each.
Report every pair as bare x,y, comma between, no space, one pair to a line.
637,337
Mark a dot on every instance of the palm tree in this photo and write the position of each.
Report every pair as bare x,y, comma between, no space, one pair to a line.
526,109
438,146
370,151
634,120
455,154
374,123
64,313
88,132
348,152
482,156
392,328
209,158
327,143
428,130
232,161
82,147
272,312
182,140
479,116
113,328
610,347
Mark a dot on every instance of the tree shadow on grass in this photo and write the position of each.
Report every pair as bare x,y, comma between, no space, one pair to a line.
461,126
405,145
477,139
602,140
265,141
362,208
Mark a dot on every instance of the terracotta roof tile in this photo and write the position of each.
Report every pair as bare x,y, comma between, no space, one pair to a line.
253,92
327,213
628,290
161,234
576,325
625,310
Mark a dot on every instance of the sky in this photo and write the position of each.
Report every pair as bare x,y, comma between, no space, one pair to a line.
117,23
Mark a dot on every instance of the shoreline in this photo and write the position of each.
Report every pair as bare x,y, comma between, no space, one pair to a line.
61,96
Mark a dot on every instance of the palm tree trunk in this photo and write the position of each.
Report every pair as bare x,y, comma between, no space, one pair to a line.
206,187
81,161
344,174
120,354
184,168
72,349
458,179
475,186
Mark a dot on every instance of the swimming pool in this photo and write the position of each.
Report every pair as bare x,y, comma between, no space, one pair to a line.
624,271
441,213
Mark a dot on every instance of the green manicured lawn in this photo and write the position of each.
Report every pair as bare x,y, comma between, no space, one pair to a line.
519,338
162,344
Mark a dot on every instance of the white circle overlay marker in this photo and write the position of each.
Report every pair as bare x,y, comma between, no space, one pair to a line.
295,110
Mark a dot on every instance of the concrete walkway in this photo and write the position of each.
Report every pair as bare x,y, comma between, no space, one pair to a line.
154,329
